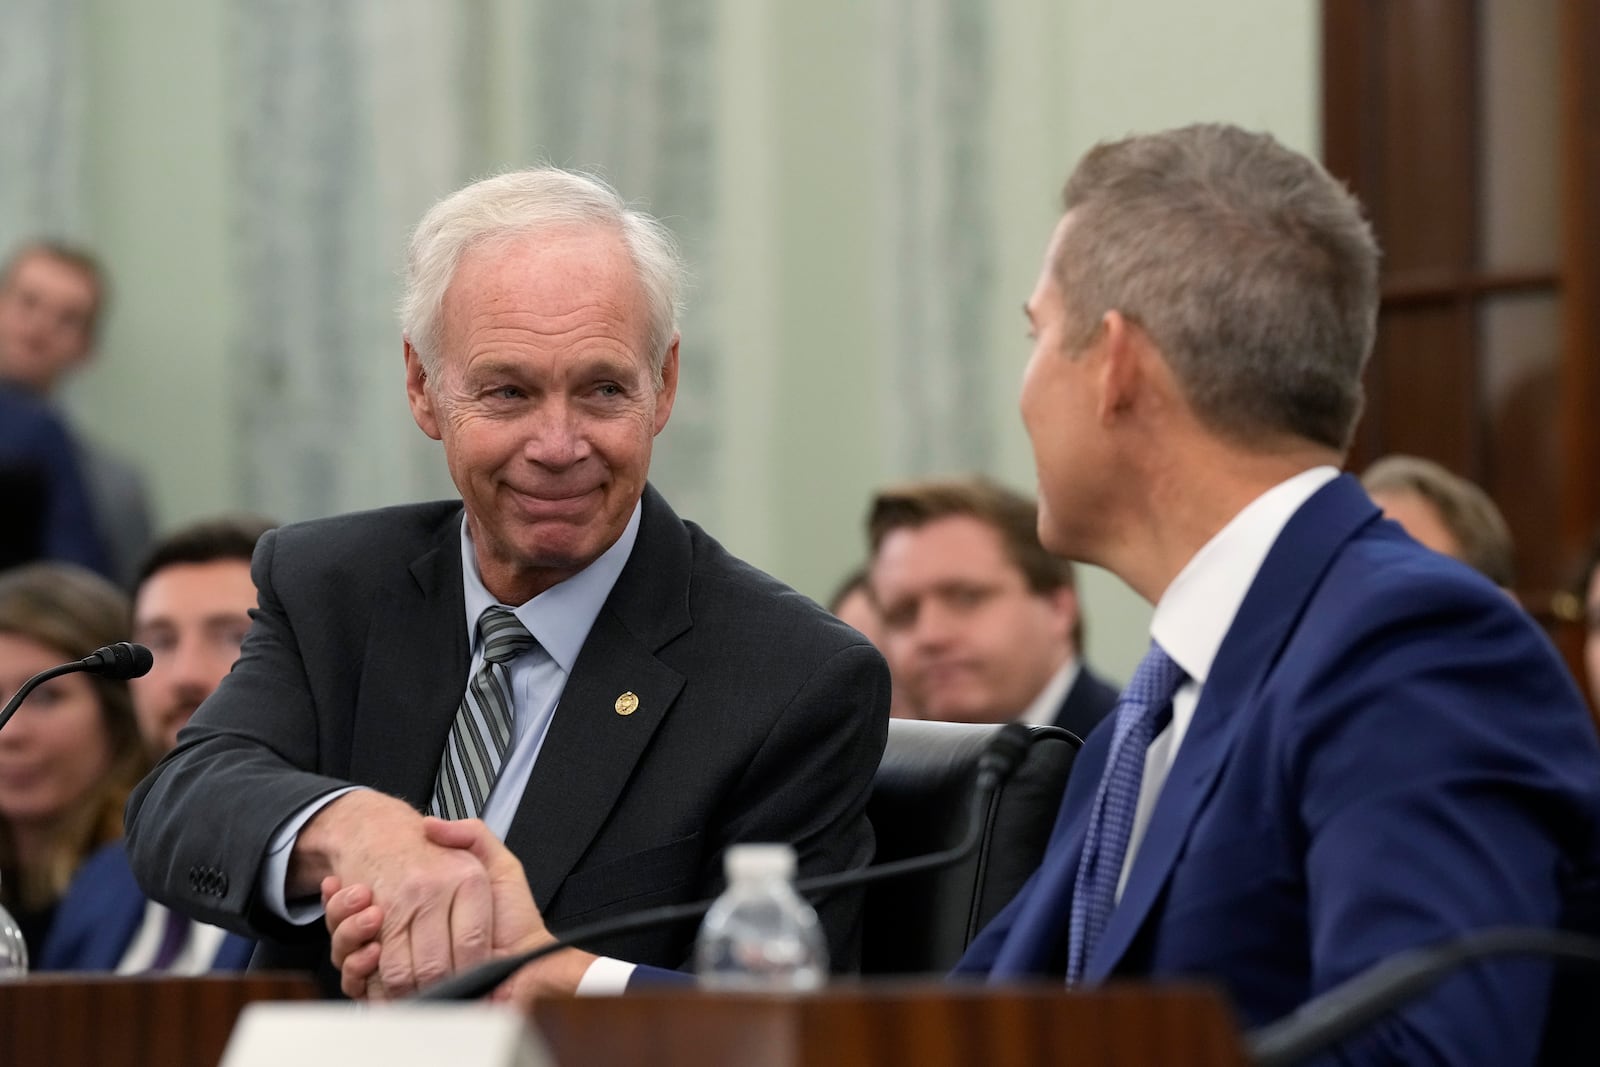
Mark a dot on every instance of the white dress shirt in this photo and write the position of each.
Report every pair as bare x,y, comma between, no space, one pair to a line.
197,956
1042,711
1195,613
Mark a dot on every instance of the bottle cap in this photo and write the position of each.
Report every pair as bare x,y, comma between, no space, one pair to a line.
758,861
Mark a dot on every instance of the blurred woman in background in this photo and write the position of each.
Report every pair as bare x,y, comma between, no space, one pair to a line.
72,752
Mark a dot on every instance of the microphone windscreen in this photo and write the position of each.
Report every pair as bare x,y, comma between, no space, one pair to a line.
143,660
122,660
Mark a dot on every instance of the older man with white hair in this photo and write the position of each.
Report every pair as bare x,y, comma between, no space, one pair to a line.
556,653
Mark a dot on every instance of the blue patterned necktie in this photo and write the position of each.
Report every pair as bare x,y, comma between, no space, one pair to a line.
481,733
1142,709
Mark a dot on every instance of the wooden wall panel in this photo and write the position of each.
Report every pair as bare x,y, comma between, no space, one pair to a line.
1404,122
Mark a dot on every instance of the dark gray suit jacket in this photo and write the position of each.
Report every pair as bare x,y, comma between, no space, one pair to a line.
760,718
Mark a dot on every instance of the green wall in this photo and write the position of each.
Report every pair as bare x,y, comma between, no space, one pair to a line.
804,387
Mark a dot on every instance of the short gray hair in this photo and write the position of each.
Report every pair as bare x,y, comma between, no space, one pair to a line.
530,201
1251,269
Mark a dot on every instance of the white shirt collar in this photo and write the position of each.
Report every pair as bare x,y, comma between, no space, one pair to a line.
1197,609
1042,711
560,617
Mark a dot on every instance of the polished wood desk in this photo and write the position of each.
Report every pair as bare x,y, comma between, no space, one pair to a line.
926,1025
65,1021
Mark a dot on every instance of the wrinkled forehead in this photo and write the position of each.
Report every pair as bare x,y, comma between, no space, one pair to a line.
548,274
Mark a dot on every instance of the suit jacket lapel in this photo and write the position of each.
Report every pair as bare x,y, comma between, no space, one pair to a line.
591,749
414,672
1266,619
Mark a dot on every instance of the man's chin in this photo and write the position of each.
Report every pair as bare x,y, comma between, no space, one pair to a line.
965,713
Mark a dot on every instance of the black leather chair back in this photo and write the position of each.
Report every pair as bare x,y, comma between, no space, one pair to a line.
921,802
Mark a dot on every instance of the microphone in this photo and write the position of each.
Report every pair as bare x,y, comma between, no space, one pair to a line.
999,760
122,660
1325,1020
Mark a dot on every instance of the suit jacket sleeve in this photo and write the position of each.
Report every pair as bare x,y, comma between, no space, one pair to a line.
1431,784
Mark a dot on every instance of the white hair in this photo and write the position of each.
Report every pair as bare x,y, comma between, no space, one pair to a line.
530,201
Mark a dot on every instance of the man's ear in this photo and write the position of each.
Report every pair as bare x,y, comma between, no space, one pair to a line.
419,394
669,385
1120,345
1064,611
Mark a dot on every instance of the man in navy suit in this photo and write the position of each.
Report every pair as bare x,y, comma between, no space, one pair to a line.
1340,746
980,623
191,607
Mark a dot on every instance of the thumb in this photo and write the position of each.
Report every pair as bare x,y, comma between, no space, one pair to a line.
476,838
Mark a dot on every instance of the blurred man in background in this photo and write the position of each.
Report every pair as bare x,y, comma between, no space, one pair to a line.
1445,512
191,606
52,301
852,605
980,623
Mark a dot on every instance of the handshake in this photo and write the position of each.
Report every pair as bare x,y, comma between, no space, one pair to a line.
411,900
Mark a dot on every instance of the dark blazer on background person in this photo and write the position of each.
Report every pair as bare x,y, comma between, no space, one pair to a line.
1387,753
36,445
1086,704
100,915
759,717
121,504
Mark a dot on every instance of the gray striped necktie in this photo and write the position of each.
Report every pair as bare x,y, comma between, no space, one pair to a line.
481,734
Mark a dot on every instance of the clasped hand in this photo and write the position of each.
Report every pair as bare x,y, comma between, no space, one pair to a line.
378,958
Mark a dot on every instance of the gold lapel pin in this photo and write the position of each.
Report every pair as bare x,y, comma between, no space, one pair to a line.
627,704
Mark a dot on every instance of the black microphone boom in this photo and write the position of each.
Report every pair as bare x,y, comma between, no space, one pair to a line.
1325,1020
121,660
999,760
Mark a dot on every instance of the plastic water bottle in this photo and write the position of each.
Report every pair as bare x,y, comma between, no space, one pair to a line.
13,949
760,935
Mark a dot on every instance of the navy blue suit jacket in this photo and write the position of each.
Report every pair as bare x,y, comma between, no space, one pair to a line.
1387,753
32,439
100,915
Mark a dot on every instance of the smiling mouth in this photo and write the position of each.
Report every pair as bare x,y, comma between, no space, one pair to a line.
540,505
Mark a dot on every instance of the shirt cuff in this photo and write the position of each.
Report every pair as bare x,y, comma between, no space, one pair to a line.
605,977
272,886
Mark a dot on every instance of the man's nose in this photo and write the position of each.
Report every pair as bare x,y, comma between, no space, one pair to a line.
192,670
558,436
933,626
